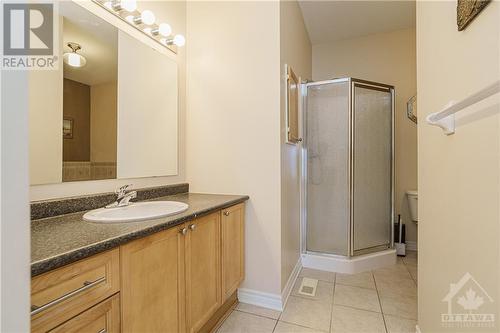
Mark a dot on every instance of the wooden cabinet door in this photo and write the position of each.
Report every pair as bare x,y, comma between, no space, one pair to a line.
153,283
203,273
233,248
103,317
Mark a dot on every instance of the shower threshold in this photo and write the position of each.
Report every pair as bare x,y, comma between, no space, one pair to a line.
352,265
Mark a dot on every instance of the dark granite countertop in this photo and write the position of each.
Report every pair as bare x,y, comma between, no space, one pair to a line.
60,240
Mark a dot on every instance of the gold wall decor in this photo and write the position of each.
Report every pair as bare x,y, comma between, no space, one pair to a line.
411,109
467,10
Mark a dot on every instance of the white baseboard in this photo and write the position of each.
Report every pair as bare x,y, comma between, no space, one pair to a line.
262,299
268,300
411,246
353,265
291,281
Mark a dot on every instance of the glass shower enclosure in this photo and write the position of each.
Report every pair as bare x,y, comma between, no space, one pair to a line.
348,167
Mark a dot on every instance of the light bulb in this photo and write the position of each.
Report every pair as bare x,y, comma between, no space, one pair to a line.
74,59
179,40
130,18
164,29
128,5
147,30
108,4
147,17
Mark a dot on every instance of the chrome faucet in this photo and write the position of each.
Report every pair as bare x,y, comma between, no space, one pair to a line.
123,197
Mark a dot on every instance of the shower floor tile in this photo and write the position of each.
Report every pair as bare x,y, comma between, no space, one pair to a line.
383,300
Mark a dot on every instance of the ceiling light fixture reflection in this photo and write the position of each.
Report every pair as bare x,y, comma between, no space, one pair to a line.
73,58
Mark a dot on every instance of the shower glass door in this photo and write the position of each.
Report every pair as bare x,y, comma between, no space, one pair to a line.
372,167
348,166
327,182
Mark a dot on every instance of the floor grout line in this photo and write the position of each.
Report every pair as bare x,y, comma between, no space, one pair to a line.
333,298
311,328
256,314
350,285
407,269
275,325
353,308
380,303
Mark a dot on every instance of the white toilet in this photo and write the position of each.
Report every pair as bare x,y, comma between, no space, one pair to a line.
413,204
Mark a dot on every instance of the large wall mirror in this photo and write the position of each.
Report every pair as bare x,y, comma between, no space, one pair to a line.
109,111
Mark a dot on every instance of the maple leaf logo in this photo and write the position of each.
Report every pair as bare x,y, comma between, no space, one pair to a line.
471,301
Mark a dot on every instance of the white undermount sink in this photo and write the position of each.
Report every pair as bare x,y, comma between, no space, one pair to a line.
136,211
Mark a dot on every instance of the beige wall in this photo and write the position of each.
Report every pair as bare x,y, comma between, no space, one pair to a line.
103,122
233,138
387,58
45,124
295,52
173,12
459,174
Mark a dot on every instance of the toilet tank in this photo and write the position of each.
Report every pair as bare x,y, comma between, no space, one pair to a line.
413,204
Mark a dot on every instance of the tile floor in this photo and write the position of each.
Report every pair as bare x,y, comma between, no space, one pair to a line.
383,300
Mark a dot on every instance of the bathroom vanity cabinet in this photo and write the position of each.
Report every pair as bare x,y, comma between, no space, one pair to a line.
181,279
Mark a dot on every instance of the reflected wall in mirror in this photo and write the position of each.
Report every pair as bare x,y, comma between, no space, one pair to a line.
109,111
89,96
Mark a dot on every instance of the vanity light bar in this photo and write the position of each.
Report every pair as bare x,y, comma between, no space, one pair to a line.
144,21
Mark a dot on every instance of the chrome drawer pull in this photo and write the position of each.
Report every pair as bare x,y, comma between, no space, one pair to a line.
102,331
226,213
86,285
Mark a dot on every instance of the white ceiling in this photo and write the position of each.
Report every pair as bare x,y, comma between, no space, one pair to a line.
327,21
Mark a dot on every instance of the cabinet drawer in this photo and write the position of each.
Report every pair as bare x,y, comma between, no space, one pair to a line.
103,317
61,294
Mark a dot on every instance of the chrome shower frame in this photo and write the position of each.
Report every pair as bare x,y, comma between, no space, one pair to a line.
353,82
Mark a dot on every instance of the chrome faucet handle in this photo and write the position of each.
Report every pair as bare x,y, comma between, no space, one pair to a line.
122,197
125,200
120,192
